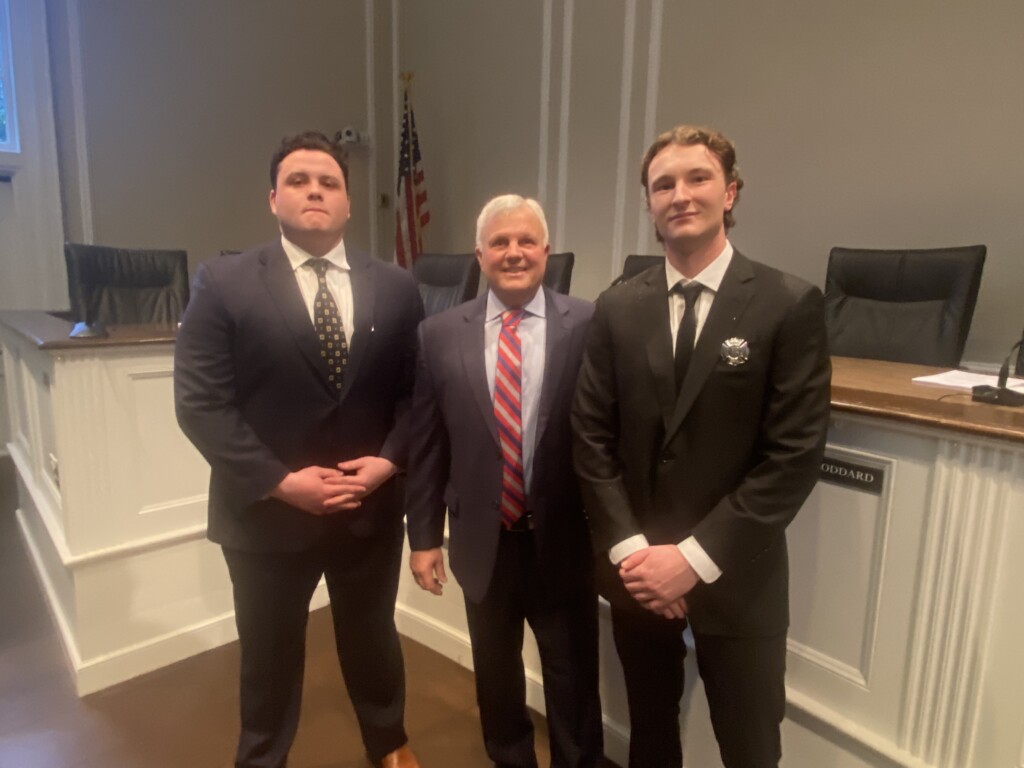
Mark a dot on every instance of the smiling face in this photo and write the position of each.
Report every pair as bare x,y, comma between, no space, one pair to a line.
513,254
310,200
688,198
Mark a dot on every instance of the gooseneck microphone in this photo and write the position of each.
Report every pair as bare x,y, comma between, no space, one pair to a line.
1000,394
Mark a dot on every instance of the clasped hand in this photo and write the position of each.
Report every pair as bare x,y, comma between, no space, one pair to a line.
326,490
659,577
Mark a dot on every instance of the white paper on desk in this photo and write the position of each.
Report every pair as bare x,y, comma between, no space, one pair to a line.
965,380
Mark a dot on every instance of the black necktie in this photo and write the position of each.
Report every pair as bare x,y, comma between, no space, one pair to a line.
329,330
687,335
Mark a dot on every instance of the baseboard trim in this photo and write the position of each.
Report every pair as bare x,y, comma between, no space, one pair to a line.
816,717
99,672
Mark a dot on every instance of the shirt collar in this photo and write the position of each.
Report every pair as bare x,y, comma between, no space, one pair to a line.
710,277
496,306
297,256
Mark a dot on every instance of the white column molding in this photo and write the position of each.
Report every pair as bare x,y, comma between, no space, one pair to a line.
959,564
78,121
623,164
545,104
371,131
651,102
563,123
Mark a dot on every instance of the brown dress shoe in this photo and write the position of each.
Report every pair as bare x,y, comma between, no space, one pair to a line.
400,758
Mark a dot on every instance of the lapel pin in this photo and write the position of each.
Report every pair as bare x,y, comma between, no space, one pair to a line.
735,351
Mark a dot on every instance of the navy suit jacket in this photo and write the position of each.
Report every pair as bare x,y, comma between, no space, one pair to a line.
730,459
456,461
251,392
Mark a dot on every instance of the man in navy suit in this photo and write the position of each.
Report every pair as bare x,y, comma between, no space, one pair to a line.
491,443
701,415
293,371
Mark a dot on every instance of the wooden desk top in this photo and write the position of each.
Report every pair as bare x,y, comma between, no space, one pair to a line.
885,390
51,332
868,387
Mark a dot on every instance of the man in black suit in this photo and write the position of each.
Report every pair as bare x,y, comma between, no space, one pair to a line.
491,441
700,415
293,371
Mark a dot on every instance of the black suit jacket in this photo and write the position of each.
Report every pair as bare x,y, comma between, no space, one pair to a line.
251,392
456,461
730,460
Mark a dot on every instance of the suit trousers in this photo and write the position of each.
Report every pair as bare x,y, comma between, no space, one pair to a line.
744,680
272,591
566,631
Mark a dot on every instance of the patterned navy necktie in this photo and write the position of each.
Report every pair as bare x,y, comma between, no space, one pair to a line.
329,329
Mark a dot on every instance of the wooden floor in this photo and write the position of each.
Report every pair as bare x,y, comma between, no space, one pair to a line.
185,715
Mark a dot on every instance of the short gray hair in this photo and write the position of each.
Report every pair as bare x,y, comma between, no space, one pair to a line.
503,204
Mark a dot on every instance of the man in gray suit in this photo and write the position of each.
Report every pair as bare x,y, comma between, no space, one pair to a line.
491,442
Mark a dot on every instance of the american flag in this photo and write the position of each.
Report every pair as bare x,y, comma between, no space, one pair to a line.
411,214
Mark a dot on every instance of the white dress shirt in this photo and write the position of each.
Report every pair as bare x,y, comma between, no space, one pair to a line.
711,279
339,281
532,340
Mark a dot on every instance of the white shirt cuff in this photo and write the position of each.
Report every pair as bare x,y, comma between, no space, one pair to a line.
699,560
625,548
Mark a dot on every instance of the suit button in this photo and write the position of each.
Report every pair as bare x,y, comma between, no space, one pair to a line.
496,504
665,460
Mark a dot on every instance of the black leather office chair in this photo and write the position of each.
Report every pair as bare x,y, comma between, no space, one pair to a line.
909,306
635,264
446,279
558,274
123,286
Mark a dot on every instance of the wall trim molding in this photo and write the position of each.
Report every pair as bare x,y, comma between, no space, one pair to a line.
99,672
78,120
622,165
959,563
545,104
563,123
371,131
830,664
651,103
811,714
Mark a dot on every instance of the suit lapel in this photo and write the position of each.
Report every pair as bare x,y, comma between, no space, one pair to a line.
284,291
363,299
471,344
733,295
652,312
556,341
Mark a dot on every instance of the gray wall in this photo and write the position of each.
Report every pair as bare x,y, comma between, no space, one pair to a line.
874,124
184,102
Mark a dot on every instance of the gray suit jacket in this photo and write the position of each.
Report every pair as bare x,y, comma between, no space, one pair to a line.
729,460
456,462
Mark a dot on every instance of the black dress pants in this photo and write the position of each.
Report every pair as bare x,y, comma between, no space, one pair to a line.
566,631
744,679
272,593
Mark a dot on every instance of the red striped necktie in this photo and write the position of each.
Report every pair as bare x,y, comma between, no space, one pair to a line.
508,386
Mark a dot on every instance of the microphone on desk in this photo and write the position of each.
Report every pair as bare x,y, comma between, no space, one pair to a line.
1000,394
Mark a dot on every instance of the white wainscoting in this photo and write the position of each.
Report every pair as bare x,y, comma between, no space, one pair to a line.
906,622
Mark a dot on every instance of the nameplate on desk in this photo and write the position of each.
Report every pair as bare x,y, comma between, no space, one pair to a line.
860,477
